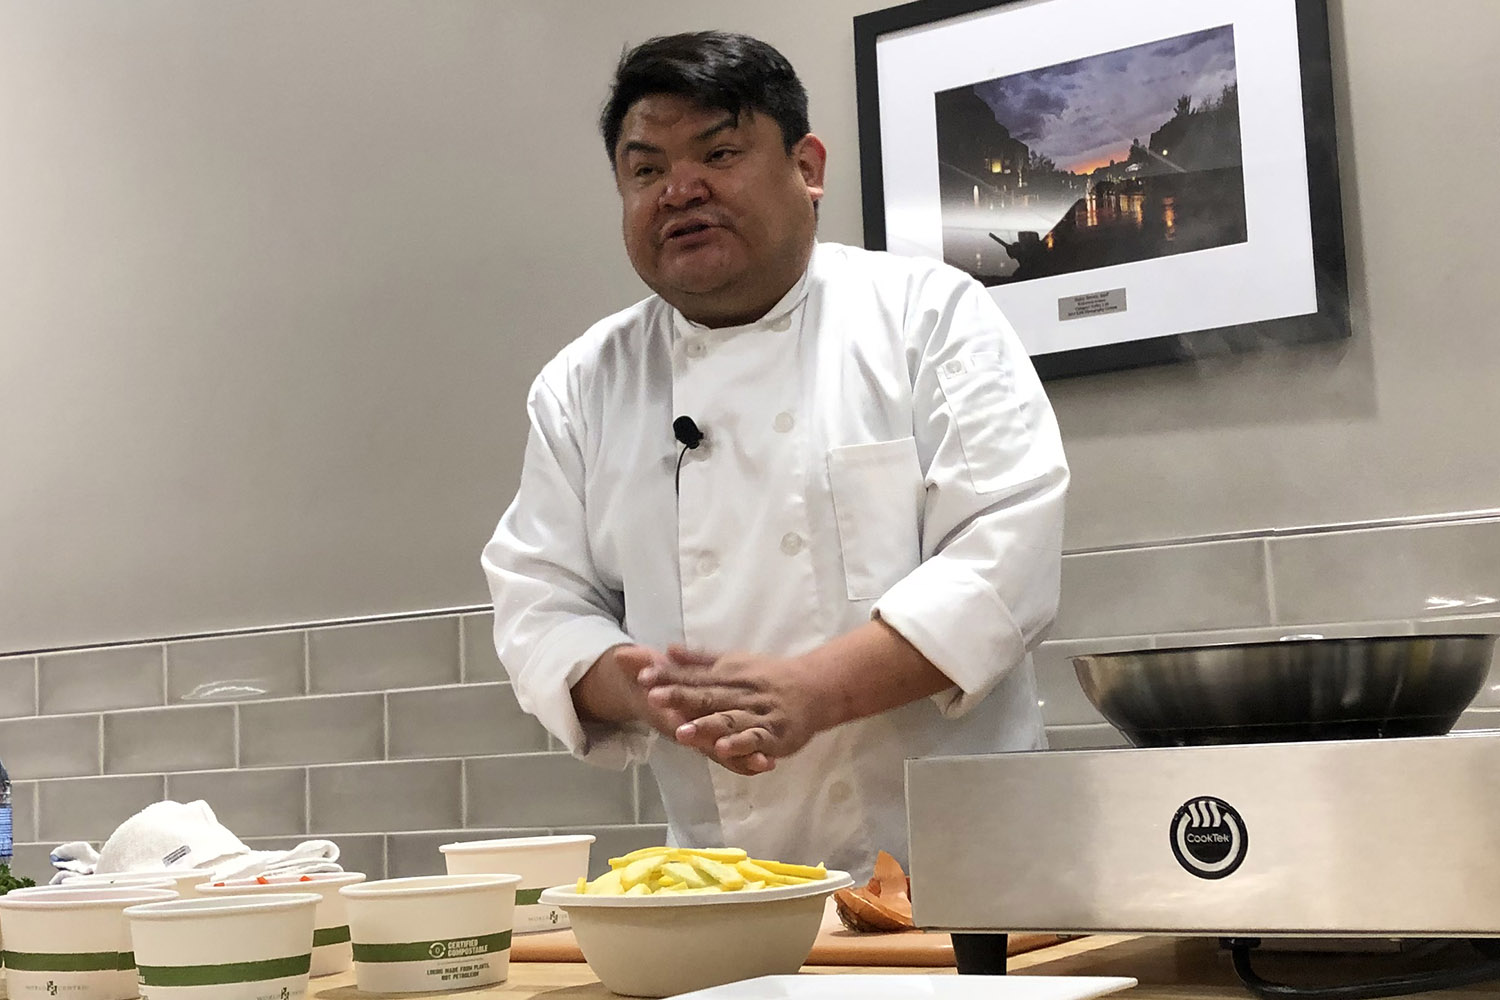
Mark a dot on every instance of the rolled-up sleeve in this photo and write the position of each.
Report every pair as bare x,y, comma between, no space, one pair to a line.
987,587
553,616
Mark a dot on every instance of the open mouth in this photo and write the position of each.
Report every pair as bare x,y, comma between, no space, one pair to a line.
691,229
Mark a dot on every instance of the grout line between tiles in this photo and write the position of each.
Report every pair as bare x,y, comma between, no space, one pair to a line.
166,686
1271,600
306,663
385,726
101,743
307,799
463,793
36,685
237,764
463,657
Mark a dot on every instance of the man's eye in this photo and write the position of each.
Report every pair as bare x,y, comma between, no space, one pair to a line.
644,171
722,154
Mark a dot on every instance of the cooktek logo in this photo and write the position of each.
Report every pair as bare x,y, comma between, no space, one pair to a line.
1209,838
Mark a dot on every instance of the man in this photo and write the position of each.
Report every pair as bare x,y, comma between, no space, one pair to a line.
850,567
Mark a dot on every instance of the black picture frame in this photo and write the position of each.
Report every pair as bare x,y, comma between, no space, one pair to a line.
1328,321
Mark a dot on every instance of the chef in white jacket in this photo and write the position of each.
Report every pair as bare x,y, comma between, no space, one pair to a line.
851,565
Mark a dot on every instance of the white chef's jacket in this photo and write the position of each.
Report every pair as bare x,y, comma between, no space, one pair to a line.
876,444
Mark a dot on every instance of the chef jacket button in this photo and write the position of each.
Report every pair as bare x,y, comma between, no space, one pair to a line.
791,543
838,792
954,367
784,323
707,565
696,349
783,422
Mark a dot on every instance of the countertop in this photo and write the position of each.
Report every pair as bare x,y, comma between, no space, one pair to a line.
1168,969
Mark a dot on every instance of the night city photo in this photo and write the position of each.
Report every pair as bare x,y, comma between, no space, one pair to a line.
1124,156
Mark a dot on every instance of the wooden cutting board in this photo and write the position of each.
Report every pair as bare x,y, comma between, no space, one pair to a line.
835,945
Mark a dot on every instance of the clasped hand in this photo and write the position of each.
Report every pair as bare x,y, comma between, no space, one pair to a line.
744,711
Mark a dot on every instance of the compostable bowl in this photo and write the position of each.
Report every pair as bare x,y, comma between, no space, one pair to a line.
1299,688
184,880
331,948
227,948
73,942
434,932
668,943
540,861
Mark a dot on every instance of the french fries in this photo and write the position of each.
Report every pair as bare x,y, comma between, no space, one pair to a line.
653,870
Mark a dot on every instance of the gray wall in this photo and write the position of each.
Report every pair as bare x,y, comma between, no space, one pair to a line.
278,274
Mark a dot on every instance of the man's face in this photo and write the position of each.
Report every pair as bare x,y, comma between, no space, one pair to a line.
718,217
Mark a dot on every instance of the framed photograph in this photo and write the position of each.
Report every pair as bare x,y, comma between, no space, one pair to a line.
1134,183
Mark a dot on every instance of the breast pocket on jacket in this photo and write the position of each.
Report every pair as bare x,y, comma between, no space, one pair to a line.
877,502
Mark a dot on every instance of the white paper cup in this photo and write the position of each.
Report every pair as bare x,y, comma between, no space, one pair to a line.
437,932
184,880
332,951
225,948
73,942
542,862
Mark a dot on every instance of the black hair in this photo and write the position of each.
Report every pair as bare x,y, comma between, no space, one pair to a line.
713,69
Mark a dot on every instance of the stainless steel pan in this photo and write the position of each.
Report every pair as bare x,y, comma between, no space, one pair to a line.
1296,689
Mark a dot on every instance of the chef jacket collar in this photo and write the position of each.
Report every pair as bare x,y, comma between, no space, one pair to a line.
684,327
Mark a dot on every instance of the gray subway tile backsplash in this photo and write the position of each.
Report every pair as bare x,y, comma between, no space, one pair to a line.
57,747
1171,588
1479,718
545,790
481,662
94,680
419,652
394,737
237,668
473,720
374,798
17,686
33,861
259,802
23,811
411,854
91,808
169,739
1278,633
1427,571
329,730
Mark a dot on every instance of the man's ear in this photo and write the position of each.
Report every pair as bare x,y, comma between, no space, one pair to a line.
811,157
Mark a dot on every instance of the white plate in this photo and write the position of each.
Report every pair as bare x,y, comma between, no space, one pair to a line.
840,987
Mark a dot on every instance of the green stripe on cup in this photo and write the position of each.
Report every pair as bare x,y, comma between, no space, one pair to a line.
528,897
330,935
94,961
223,975
432,951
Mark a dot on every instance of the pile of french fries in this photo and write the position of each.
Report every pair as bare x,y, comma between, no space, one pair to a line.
653,870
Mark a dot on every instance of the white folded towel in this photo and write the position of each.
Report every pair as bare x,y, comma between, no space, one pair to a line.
189,835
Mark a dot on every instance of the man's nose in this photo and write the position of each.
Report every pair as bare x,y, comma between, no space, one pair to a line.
686,186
